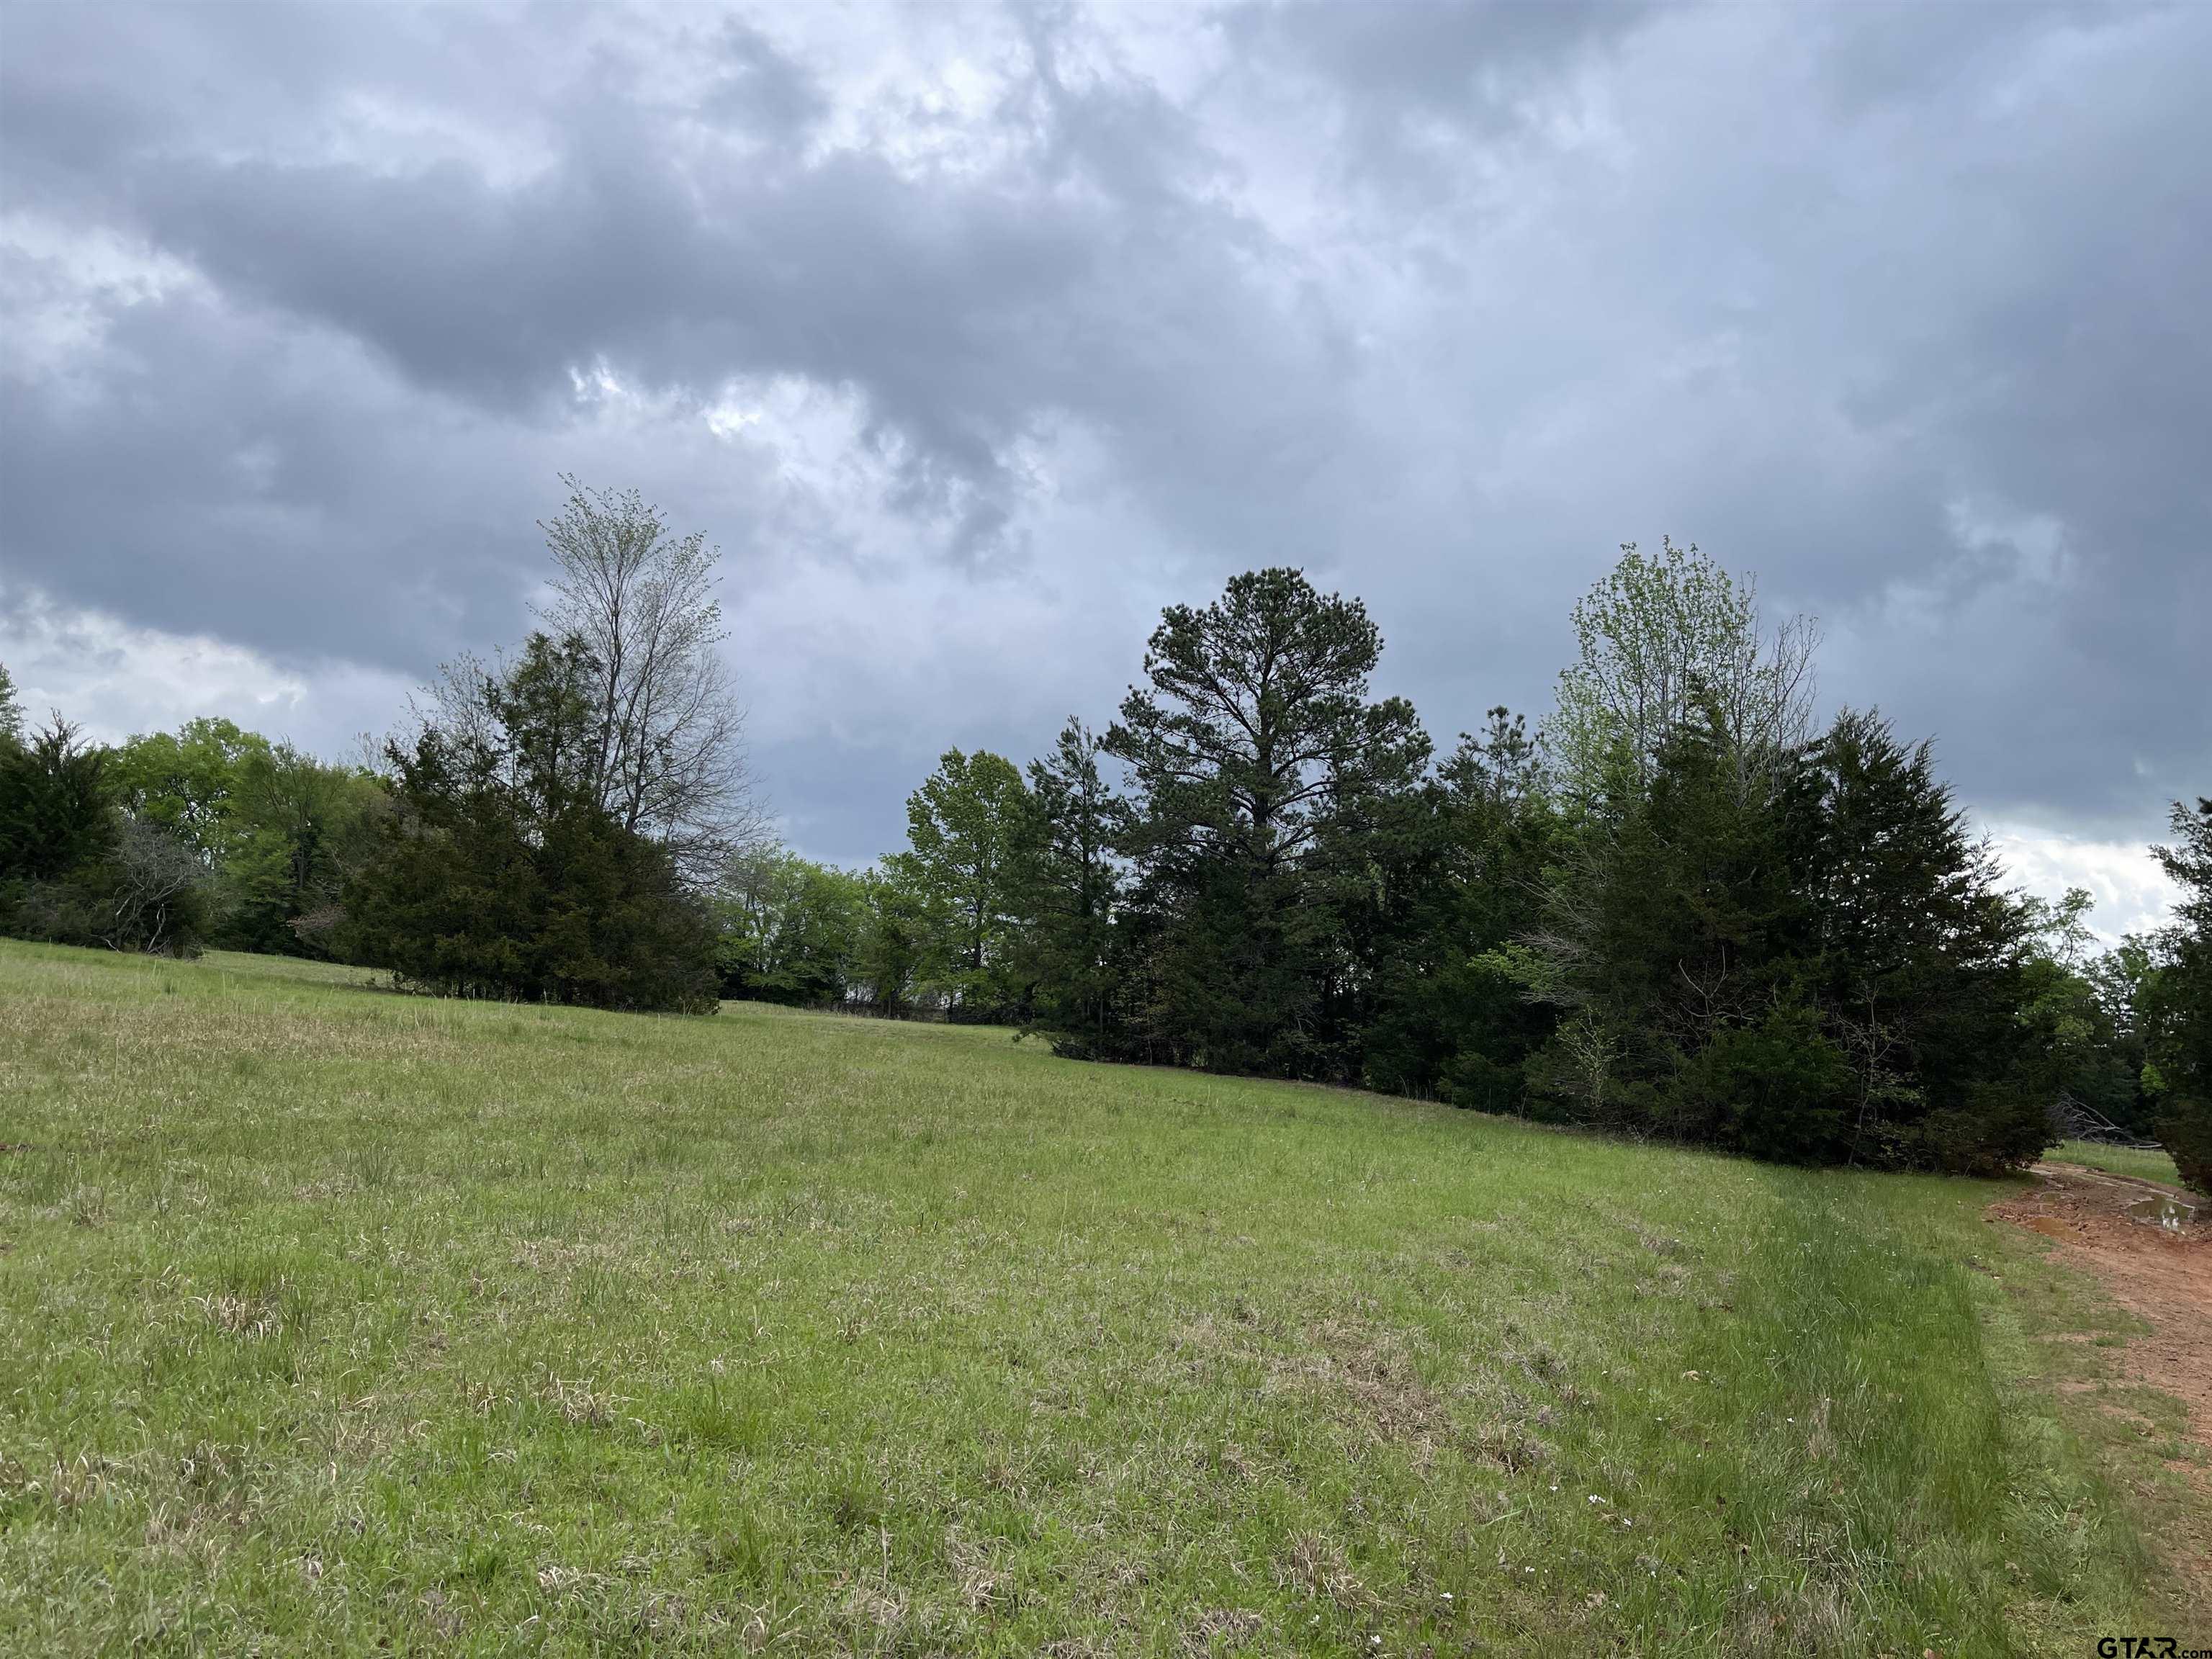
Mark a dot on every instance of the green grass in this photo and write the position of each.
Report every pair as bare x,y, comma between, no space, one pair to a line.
336,1320
2153,1165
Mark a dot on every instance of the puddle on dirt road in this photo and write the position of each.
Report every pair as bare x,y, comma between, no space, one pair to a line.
2173,1214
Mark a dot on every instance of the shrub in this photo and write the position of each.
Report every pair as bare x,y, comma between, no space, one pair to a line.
2186,1128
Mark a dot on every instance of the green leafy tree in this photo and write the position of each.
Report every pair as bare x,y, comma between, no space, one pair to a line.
2124,982
1070,889
970,829
11,708
899,936
277,830
1669,640
2081,1032
791,929
304,826
77,869
186,782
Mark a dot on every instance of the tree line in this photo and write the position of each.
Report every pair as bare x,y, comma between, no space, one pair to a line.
1676,907
546,826
209,834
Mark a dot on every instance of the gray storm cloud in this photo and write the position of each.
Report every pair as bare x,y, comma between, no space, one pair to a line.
975,336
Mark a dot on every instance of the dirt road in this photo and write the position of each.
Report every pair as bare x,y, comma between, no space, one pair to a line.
2164,1277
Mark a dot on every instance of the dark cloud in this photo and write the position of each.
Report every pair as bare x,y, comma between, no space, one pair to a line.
975,336
682,243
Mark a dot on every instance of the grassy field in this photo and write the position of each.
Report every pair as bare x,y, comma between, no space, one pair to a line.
2154,1165
335,1320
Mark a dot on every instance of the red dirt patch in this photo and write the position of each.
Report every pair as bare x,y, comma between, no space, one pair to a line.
2163,1277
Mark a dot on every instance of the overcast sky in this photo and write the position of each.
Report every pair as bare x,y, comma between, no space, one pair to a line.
973,336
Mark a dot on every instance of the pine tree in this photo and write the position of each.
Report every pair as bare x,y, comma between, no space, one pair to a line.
1918,957
1253,737
55,812
499,874
2179,999
11,709
1443,1020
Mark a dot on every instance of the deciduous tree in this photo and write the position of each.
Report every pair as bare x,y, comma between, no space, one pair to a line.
969,827
665,753
1071,888
1668,640
791,929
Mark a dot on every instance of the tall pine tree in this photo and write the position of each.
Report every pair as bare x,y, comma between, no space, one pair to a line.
1253,739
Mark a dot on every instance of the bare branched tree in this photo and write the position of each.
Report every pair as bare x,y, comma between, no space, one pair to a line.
453,702
156,876
666,750
670,747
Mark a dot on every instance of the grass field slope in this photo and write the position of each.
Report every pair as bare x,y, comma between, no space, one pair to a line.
334,1320
2142,1164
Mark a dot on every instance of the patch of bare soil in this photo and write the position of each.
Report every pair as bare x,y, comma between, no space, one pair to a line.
2163,1276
